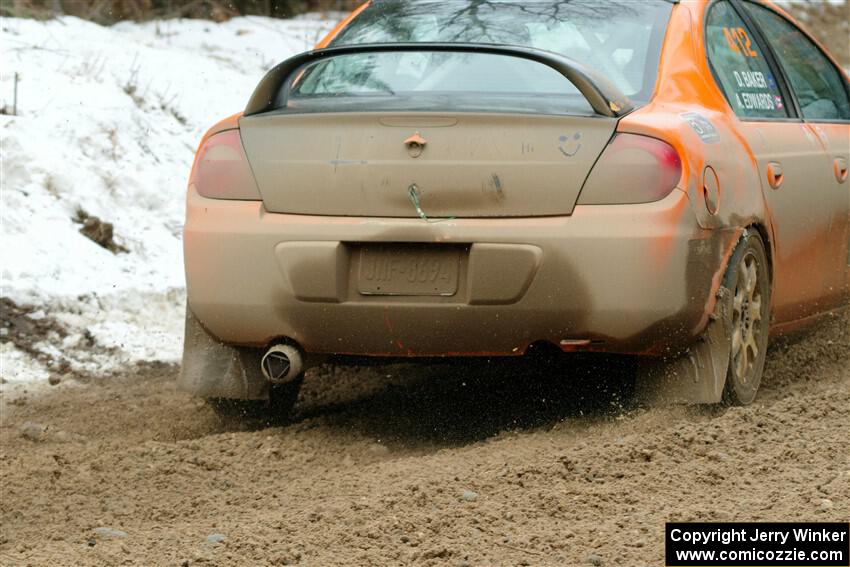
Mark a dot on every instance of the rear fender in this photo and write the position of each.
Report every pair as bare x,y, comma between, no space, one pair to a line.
719,171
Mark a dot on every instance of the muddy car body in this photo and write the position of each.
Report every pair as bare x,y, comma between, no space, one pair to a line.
659,179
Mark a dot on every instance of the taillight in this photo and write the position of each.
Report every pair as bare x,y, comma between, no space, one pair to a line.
632,169
221,169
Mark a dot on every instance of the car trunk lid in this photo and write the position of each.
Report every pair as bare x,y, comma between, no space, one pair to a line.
465,165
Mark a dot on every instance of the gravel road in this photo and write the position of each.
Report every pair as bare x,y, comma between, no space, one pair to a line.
415,466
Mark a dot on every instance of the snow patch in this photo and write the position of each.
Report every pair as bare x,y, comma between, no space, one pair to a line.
108,120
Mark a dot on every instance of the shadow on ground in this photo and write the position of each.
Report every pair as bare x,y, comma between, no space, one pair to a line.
467,401
459,403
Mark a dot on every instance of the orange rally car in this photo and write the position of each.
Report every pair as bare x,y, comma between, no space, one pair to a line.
469,178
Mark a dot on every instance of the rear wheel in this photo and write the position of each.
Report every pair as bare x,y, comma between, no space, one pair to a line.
278,407
749,281
726,364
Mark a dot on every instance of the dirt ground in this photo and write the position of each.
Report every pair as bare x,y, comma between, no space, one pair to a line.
415,466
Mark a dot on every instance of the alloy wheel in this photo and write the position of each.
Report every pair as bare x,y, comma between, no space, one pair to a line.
746,321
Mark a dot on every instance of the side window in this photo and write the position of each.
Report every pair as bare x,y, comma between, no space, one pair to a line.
816,82
740,66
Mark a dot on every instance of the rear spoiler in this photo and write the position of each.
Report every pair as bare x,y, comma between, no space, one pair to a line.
605,98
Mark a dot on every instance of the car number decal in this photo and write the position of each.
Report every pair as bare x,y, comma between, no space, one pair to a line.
739,41
702,126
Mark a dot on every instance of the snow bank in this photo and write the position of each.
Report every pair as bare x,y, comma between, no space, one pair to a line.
108,122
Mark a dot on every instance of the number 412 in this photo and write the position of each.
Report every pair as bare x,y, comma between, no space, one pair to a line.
739,41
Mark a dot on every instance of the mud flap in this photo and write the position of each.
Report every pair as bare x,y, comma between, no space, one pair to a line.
212,369
697,376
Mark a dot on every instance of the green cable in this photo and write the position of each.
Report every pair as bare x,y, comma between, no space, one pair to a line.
413,193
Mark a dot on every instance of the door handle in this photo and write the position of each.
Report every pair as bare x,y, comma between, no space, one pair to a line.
774,175
840,167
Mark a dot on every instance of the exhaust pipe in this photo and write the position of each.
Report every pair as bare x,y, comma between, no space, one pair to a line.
282,363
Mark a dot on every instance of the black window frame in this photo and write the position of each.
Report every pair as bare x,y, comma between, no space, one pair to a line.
745,14
791,103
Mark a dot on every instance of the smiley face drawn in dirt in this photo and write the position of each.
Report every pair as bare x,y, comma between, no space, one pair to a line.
570,145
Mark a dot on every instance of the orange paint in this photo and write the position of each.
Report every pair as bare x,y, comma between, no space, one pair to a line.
685,84
333,33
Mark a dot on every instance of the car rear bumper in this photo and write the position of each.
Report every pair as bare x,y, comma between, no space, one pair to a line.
615,278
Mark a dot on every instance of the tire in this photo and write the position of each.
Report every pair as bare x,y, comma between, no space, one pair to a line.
278,408
748,280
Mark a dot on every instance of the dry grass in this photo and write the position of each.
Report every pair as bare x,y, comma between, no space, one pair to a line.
111,11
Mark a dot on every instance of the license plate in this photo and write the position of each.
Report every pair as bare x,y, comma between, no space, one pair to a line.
408,270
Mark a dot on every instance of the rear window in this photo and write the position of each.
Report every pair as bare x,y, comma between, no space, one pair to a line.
620,39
